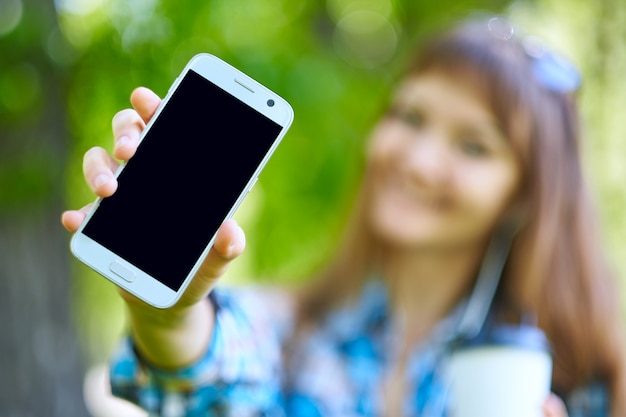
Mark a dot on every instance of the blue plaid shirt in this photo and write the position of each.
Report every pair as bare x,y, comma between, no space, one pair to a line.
336,369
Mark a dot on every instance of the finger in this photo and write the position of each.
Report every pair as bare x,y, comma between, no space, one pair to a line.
72,219
99,170
554,407
127,127
229,244
145,101
230,240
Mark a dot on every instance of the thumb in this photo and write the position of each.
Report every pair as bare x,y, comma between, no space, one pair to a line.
554,407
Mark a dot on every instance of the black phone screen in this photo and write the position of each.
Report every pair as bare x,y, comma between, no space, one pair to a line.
187,173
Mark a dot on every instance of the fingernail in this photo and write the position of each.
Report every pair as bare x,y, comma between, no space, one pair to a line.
123,140
101,180
233,247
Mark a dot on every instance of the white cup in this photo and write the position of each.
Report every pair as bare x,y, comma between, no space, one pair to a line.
506,373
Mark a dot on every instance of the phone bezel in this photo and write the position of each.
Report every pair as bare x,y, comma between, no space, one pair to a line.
248,91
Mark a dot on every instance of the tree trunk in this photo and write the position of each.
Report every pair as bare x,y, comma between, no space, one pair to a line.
41,370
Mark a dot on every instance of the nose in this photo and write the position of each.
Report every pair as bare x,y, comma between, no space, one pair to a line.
427,159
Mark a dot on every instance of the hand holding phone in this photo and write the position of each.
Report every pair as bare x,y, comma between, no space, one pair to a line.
176,336
229,126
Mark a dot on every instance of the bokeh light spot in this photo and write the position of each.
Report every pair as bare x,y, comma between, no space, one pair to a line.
10,15
59,49
366,39
338,9
79,7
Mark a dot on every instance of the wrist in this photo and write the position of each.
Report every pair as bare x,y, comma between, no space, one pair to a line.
171,338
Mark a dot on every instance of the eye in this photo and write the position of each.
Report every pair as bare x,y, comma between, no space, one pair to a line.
473,147
410,117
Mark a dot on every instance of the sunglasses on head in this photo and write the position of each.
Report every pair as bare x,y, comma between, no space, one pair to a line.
552,71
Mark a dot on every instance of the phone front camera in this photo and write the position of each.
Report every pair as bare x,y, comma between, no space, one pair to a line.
270,102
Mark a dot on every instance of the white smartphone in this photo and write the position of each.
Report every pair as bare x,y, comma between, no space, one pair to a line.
197,158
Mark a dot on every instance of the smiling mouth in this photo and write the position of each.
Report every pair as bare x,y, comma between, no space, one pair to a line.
408,192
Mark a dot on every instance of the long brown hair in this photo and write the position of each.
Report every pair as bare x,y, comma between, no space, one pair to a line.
557,266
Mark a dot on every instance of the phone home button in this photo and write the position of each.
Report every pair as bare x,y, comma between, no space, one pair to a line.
122,271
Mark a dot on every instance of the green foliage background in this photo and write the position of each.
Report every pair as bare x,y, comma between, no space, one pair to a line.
334,60
336,85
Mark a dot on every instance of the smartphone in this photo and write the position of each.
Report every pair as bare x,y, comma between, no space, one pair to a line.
197,158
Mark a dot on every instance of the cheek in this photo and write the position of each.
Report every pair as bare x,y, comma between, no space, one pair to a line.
383,143
490,192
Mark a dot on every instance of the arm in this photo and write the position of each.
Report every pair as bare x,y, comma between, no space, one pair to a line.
240,371
175,337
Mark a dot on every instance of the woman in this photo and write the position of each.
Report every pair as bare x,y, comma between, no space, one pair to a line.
481,136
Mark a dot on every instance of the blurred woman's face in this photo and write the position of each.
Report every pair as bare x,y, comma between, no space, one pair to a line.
442,172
